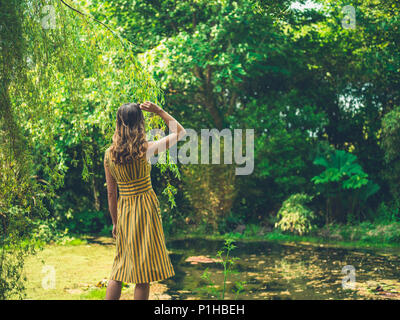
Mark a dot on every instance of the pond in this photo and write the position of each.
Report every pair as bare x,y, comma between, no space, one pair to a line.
284,271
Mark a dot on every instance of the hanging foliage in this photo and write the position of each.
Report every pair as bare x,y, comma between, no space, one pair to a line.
63,77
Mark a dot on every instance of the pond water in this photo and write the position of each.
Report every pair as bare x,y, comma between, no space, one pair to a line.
283,271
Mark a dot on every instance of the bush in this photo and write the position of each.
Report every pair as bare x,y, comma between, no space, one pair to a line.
201,180
230,222
252,230
388,213
344,185
294,216
46,231
88,222
390,145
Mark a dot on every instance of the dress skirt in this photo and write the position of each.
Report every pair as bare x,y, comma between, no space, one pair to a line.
141,254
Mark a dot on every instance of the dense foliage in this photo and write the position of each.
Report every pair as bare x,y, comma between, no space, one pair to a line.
323,100
294,216
59,77
294,73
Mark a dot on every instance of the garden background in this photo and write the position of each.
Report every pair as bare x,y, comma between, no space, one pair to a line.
319,86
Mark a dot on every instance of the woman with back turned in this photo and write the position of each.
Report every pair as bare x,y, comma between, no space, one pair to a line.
141,256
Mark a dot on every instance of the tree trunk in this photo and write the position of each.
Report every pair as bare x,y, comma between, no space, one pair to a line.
95,194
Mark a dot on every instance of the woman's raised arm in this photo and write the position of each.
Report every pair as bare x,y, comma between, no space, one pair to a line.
177,131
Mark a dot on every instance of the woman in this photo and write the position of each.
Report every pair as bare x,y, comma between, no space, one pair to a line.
141,256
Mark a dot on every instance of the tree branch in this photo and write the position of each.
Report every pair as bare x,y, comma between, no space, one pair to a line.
98,21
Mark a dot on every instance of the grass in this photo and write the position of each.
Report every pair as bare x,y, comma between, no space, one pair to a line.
79,265
364,235
94,294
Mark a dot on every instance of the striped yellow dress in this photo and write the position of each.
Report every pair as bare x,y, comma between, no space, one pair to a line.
141,255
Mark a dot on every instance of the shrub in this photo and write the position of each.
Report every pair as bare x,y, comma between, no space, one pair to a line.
345,186
88,222
217,182
294,216
390,145
388,212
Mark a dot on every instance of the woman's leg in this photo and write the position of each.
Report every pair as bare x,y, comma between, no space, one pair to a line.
113,290
142,291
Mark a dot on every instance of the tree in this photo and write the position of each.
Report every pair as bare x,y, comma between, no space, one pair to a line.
298,77
61,85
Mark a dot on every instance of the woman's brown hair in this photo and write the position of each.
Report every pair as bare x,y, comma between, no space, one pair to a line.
129,139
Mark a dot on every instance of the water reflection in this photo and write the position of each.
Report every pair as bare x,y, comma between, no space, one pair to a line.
277,271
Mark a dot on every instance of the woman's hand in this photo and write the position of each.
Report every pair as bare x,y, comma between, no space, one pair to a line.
150,107
114,231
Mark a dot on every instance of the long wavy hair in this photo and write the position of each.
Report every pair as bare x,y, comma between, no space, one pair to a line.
129,139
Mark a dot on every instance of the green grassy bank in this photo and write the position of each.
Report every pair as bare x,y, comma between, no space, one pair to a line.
363,235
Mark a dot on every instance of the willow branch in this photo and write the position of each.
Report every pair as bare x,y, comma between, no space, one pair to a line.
98,21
